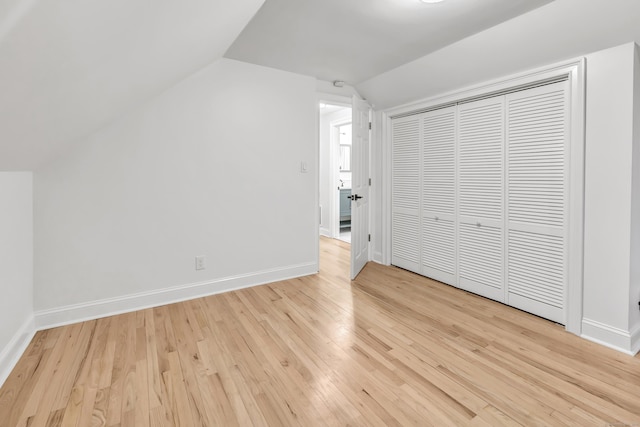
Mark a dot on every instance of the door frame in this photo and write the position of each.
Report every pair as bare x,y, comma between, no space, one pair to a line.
574,71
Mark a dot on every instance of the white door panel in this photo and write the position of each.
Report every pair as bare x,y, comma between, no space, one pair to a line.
481,260
438,249
481,195
359,186
439,194
537,175
405,197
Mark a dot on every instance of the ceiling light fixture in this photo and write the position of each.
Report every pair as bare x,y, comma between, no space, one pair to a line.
431,1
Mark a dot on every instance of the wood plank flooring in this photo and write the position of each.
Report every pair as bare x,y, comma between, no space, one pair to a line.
389,349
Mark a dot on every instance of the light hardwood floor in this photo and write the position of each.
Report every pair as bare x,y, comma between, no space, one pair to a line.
389,349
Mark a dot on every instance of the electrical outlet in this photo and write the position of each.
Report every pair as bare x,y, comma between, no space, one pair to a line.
200,262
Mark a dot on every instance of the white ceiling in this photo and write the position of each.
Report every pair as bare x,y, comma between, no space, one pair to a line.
69,67
354,40
560,31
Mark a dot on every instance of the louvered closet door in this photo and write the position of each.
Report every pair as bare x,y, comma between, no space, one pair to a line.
480,197
438,194
537,160
405,198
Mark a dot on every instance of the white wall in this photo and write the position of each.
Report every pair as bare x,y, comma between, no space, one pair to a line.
69,67
126,210
16,267
634,294
327,180
377,221
325,87
608,187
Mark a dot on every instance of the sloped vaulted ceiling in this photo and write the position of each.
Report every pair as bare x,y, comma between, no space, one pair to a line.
354,40
69,67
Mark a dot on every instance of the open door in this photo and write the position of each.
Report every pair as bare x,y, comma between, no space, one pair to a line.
359,186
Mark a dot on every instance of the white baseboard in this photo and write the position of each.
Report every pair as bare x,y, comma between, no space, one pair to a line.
377,257
635,341
45,319
609,336
325,232
14,349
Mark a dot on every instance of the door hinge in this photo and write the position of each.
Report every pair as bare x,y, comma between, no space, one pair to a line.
369,237
369,125
369,182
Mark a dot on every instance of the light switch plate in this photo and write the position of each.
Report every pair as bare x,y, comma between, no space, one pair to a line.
200,262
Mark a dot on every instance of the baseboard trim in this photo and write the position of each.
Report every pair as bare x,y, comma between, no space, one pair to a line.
635,341
59,316
609,336
377,257
15,348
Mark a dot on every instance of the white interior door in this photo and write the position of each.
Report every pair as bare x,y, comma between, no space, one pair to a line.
359,186
537,176
406,193
438,206
480,197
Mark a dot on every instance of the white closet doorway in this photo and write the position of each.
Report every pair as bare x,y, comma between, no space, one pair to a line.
481,195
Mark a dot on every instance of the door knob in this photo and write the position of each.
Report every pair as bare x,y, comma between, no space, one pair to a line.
356,197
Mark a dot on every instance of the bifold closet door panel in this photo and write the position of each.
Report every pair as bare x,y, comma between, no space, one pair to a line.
439,194
481,197
405,188
537,162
